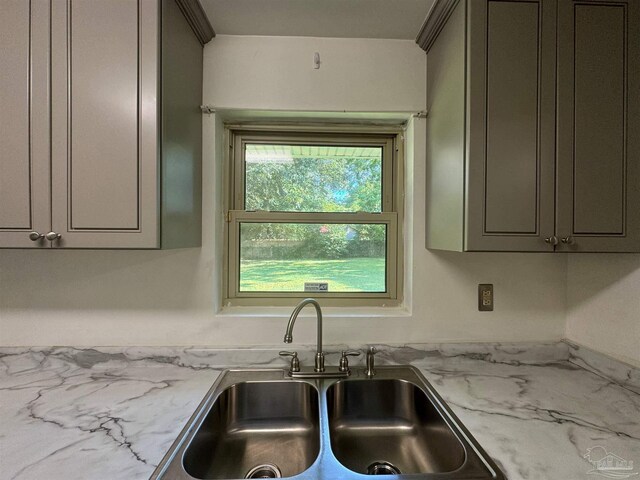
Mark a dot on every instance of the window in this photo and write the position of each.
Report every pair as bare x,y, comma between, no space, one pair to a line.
313,214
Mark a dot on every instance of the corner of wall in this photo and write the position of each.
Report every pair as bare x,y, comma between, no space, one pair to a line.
603,304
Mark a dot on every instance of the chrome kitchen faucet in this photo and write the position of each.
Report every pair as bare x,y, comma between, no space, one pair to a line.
319,371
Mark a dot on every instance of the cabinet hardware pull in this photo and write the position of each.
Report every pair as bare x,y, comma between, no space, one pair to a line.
553,240
567,240
35,236
51,236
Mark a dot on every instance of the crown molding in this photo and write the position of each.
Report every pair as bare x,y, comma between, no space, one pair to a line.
436,19
197,18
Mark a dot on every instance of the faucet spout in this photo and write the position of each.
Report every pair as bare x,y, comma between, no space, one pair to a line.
288,336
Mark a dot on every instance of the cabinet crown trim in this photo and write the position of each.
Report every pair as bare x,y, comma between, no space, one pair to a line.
197,18
435,21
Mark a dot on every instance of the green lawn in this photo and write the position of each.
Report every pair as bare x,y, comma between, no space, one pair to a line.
349,275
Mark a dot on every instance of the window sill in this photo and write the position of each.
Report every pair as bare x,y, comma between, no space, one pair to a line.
327,312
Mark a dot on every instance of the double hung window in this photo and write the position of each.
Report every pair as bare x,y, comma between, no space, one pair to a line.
313,214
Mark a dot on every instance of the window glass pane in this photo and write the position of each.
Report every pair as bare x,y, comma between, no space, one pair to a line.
281,257
313,178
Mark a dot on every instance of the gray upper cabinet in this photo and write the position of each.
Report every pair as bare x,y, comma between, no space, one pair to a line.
104,123
511,139
531,108
24,123
122,174
599,126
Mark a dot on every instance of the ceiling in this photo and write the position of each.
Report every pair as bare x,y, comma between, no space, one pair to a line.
400,19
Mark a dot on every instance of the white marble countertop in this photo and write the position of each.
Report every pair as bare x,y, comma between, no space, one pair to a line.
112,413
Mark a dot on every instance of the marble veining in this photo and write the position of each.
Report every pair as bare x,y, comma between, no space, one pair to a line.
621,373
112,413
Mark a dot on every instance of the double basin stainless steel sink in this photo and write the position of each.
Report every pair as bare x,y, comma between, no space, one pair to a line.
263,424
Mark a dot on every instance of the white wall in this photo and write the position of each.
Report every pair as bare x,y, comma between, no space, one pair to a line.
171,297
277,73
603,304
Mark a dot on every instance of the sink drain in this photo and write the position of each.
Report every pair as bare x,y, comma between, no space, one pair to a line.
266,470
382,468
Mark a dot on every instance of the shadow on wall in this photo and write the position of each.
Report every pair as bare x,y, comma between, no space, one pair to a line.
104,279
592,274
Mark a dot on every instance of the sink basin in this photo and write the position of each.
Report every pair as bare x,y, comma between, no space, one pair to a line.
389,426
261,423
257,429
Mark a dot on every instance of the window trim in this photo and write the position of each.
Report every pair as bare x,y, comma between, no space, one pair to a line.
390,138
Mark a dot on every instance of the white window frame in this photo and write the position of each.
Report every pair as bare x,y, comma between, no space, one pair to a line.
391,140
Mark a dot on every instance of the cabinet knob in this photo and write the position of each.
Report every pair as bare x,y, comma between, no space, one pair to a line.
51,236
553,240
567,240
35,236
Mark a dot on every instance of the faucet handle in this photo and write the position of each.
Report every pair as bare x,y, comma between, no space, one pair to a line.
351,353
295,361
344,361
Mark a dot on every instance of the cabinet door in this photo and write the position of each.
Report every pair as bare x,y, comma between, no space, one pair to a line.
599,125
510,125
24,122
104,123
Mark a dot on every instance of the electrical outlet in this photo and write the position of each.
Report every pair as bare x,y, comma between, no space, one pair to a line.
485,297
